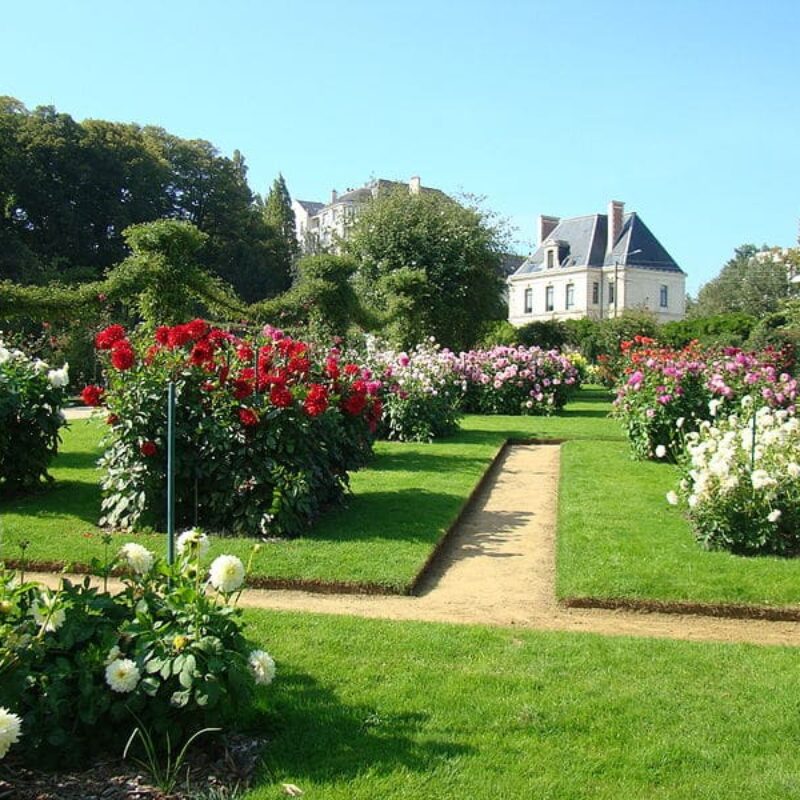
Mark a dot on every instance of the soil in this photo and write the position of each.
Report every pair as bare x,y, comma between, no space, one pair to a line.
498,568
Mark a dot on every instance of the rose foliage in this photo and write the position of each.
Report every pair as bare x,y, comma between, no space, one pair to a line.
267,428
741,481
81,667
517,380
662,392
31,397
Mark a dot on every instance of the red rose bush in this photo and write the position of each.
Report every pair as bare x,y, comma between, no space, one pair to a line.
267,428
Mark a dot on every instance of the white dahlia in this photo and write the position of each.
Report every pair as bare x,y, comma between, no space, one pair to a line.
45,611
262,665
10,728
139,558
122,675
226,574
193,541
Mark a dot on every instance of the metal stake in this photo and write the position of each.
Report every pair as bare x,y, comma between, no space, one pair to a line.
171,473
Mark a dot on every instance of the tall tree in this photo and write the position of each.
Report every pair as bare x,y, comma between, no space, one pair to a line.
279,216
752,282
431,265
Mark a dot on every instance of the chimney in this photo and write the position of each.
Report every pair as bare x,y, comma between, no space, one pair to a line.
334,196
616,209
546,226
414,185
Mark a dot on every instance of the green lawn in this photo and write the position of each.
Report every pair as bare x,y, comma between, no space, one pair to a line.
365,709
400,507
618,538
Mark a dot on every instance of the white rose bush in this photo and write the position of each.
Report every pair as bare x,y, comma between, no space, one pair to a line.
741,481
168,652
31,398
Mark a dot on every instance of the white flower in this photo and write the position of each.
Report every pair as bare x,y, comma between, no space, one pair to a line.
793,469
59,377
774,516
45,612
4,355
672,498
679,422
122,675
226,574
713,406
692,500
193,541
10,725
661,451
139,558
761,479
113,654
262,666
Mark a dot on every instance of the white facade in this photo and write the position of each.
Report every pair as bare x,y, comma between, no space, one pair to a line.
597,266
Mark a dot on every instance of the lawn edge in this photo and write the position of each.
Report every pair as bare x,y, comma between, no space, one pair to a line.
685,607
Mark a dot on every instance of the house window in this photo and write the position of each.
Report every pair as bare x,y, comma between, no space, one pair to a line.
570,298
663,296
595,293
612,295
550,259
548,299
529,301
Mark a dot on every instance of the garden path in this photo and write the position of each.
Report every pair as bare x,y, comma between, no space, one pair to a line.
498,568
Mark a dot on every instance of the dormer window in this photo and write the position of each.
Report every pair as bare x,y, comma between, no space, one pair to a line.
551,258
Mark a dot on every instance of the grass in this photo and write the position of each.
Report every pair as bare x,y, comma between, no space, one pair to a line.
365,708
399,509
618,538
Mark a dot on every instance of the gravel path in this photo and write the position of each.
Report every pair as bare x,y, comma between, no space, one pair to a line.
499,569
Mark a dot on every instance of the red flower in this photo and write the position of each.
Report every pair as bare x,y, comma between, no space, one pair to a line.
354,404
112,419
92,395
208,386
151,354
148,448
178,336
109,336
197,328
245,352
351,369
374,415
332,367
299,365
162,334
217,337
248,417
280,396
316,401
122,355
242,388
202,353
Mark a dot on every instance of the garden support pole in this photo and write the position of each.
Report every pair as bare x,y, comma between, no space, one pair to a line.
171,473
753,446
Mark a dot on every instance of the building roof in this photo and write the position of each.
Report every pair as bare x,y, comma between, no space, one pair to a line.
311,206
584,241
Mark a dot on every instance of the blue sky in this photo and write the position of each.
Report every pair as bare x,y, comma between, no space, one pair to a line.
687,111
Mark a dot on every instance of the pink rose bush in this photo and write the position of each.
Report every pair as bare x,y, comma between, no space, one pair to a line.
423,391
517,380
663,393
268,427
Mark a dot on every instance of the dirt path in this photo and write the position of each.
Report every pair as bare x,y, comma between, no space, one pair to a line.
499,569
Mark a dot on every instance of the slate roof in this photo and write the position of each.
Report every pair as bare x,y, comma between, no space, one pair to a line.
585,241
311,206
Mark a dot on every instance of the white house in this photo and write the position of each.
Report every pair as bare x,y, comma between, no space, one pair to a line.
321,227
596,266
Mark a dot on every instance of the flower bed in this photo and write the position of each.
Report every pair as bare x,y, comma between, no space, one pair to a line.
167,655
423,391
266,429
741,482
663,392
517,380
31,397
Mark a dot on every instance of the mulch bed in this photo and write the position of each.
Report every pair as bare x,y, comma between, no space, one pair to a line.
222,773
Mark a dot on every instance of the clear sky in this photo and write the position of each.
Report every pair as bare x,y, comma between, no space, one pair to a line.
687,110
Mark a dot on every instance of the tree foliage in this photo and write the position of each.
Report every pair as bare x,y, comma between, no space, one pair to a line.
278,214
752,282
429,264
68,190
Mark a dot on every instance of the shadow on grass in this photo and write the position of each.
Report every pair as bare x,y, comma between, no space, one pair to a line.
414,515
320,739
76,459
584,412
64,499
414,461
